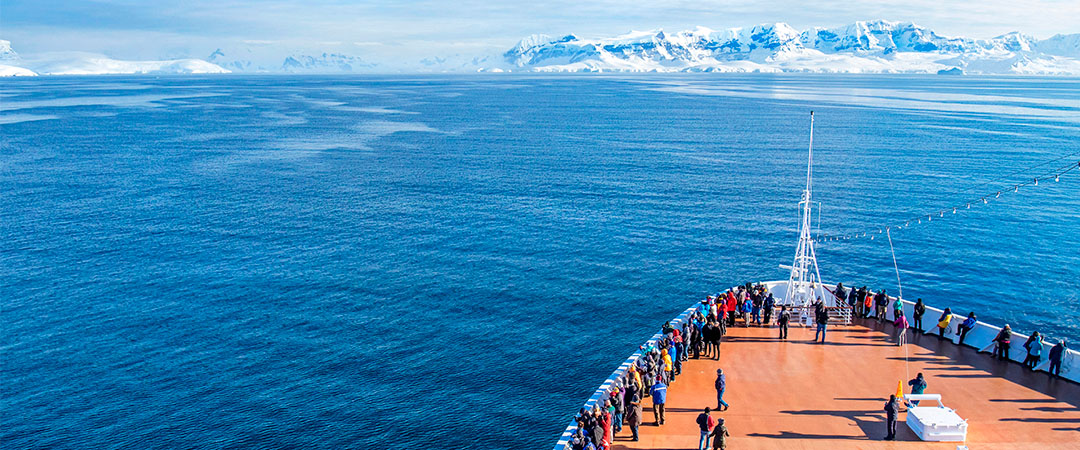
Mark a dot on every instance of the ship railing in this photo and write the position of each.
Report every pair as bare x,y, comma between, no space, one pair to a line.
982,335
602,393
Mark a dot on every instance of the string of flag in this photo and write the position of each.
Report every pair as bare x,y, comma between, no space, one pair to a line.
939,214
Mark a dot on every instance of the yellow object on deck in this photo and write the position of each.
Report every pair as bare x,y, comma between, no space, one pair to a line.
900,389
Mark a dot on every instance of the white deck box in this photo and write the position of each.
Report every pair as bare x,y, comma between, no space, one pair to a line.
935,422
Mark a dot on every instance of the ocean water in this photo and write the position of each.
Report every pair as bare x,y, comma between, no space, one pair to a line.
457,262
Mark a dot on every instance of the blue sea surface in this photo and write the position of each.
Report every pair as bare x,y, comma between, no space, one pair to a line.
458,261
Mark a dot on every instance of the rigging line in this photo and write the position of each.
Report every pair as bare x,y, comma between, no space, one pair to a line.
895,266
1028,169
1053,174
899,287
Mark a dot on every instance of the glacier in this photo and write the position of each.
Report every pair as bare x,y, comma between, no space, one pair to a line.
862,47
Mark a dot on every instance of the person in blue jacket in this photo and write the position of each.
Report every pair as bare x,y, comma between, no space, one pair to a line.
967,326
747,308
659,397
918,386
721,385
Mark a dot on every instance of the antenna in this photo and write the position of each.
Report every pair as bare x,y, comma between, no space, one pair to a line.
804,283
810,159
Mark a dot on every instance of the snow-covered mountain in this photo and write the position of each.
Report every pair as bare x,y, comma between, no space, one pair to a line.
1061,45
261,58
10,61
861,47
324,63
868,46
81,63
7,54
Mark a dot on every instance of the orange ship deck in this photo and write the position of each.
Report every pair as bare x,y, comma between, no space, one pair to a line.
802,395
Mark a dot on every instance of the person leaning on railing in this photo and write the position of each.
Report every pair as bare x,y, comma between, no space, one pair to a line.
943,322
1034,350
1002,339
967,326
868,303
881,301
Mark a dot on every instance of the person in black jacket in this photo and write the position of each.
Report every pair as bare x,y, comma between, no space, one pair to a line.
596,427
718,336
633,414
1003,338
920,310
617,402
864,312
881,301
892,410
770,303
708,334
783,320
822,316
1056,354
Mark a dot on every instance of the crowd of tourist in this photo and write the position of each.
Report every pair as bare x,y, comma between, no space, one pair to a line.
702,332
870,305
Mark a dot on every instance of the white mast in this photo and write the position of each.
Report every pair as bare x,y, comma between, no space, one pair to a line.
804,283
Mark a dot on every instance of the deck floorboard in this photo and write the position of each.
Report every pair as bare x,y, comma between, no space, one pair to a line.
803,395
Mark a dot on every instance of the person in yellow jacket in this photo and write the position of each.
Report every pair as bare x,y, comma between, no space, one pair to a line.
635,377
943,322
668,366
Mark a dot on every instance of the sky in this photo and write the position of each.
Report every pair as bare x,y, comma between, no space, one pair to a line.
194,28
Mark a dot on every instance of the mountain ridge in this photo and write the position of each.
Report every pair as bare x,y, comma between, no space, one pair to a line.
874,46
865,46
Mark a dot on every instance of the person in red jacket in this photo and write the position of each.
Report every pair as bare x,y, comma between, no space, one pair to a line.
731,305
706,423
605,421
